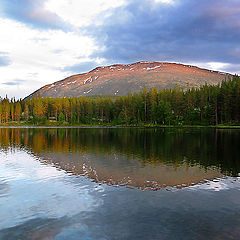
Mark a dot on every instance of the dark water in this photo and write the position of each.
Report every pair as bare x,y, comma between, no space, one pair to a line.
119,184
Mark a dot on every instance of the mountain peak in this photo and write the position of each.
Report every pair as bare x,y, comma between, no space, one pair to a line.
120,79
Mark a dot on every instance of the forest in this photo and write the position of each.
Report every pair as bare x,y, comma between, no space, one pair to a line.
207,105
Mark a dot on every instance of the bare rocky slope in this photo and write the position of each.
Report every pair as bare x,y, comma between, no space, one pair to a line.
121,79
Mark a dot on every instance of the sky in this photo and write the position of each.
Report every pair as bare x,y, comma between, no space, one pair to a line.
43,41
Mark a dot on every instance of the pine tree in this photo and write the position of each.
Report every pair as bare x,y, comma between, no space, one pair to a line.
18,111
26,112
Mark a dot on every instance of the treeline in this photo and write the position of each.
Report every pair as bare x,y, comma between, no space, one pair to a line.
207,105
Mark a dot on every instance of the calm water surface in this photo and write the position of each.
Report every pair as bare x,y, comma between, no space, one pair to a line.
119,184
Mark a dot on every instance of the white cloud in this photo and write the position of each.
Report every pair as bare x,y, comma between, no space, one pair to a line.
165,1
38,56
218,66
81,12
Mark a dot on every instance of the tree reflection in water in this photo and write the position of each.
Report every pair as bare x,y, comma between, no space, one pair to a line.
142,158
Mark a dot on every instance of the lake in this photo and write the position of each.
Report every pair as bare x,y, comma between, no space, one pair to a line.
123,183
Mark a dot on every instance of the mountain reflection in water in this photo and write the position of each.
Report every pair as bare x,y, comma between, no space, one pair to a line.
142,158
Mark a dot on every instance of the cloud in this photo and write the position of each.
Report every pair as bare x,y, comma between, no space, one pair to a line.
183,31
15,82
80,67
38,56
83,12
4,59
165,1
232,68
219,66
43,41
33,13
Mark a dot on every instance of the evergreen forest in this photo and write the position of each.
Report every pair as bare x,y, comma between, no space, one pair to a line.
207,105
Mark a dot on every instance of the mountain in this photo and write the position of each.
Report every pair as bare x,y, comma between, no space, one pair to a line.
121,79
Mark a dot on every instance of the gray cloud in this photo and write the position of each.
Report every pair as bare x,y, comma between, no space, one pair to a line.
4,59
32,12
186,31
15,82
233,68
80,67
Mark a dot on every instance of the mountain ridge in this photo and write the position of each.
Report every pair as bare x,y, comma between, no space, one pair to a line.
121,79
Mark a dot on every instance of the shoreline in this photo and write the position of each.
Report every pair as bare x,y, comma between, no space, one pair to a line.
112,126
